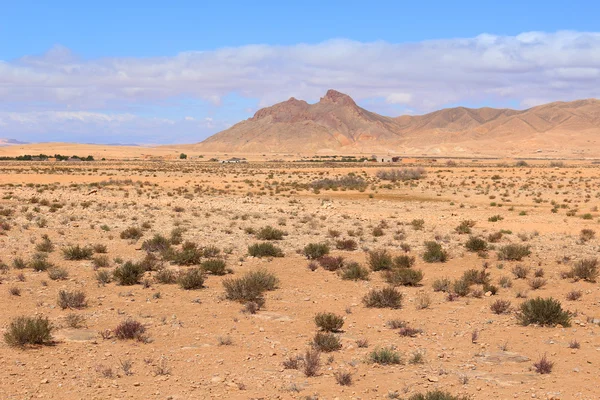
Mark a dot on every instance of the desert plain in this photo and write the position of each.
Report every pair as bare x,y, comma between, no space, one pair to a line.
190,279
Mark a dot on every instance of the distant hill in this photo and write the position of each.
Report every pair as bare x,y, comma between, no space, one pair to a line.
6,142
337,124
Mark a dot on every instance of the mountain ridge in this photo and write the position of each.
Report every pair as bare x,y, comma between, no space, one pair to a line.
337,123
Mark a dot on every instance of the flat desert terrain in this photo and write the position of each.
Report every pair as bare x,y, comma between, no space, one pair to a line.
285,280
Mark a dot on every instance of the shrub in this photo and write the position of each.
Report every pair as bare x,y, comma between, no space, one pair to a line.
544,312
29,331
355,272
133,233
130,329
58,274
401,174
329,322
192,279
103,277
313,251
476,244
388,297
513,252
129,273
408,331
343,378
166,276
574,295
404,261
40,262
312,362
586,235
345,182
190,254
46,245
331,263
251,286
537,283
475,277
437,395
403,277
417,224
586,269
380,260
264,250
495,237
346,244
465,227
441,285
434,252
520,272
101,261
543,365
74,299
385,356
78,253
326,342
270,233
215,266
158,244
500,306
461,287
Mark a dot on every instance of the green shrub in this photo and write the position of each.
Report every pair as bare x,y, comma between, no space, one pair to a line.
215,266
29,331
190,254
388,297
270,233
251,286
158,244
129,273
264,250
45,245
74,299
40,262
355,272
313,251
461,287
192,279
404,261
380,260
434,252
78,253
326,342
513,252
329,322
403,277
476,244
385,356
101,261
544,312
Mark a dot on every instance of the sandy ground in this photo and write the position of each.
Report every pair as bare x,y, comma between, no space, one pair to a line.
187,355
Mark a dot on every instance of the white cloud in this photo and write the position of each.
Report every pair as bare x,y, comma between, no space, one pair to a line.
423,76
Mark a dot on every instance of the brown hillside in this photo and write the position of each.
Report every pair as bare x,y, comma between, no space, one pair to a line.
337,124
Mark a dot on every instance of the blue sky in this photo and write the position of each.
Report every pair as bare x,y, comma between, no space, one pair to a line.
158,72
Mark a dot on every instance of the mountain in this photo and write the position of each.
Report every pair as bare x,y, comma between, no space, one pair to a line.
6,142
337,124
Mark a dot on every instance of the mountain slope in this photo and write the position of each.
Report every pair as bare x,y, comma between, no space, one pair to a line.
336,123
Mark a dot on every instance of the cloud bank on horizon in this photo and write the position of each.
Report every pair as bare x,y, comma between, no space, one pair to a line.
59,96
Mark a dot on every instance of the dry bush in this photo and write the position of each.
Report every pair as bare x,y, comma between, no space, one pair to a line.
543,365
331,263
270,233
403,277
513,252
355,272
192,279
401,174
29,331
75,299
385,356
326,342
78,253
434,252
250,287
130,329
343,378
500,306
329,322
380,260
312,362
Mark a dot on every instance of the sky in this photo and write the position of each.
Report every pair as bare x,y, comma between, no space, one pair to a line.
152,72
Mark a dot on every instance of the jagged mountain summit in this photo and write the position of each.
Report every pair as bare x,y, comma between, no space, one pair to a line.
337,124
